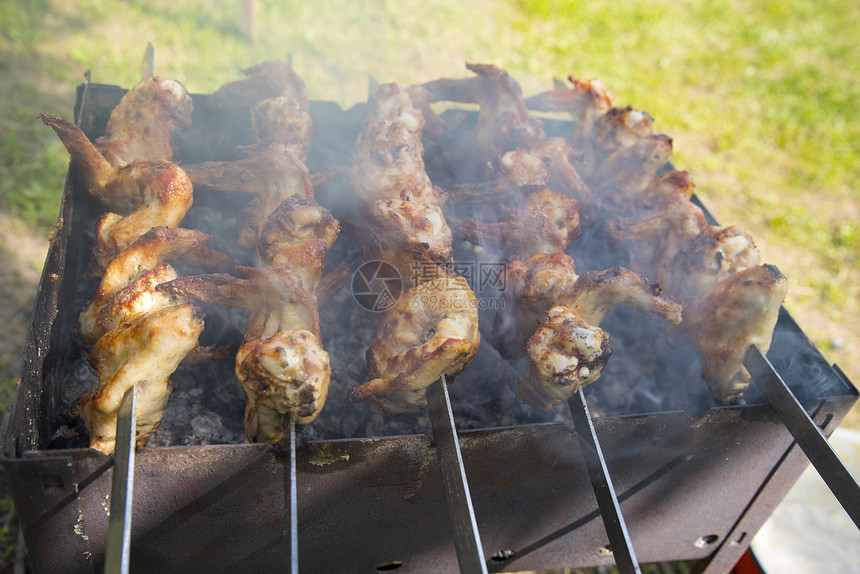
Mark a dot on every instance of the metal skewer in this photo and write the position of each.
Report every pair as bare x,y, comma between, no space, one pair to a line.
805,432
607,501
147,65
464,526
118,548
291,514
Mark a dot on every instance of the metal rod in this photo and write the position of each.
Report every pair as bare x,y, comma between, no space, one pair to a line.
147,66
805,432
604,492
461,513
291,512
118,548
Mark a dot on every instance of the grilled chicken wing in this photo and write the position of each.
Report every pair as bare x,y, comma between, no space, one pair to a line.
388,161
628,170
145,353
127,286
569,350
297,236
431,331
587,101
149,122
414,237
288,372
725,320
547,223
266,80
533,285
503,119
141,195
282,365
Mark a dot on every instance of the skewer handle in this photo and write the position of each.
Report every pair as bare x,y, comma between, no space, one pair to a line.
607,501
458,500
805,432
118,551
291,513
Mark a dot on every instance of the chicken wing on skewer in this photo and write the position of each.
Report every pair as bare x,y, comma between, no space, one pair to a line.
547,223
388,161
149,122
569,350
503,120
282,365
145,353
587,101
126,287
725,320
141,195
627,171
432,330
297,236
533,285
265,80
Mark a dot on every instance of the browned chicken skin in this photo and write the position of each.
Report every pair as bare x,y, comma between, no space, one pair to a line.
546,224
388,160
127,285
533,285
265,80
282,365
503,120
141,195
431,331
569,350
149,122
145,352
726,319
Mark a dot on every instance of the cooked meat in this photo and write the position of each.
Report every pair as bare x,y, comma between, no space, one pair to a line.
432,330
145,353
503,120
388,159
149,122
265,80
726,319
282,120
627,171
127,287
285,374
141,195
547,223
276,299
712,256
297,236
587,101
532,287
620,128
282,365
414,237
569,350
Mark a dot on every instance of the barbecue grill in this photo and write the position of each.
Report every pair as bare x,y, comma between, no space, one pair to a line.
694,481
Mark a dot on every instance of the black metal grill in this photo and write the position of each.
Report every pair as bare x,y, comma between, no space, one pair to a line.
690,486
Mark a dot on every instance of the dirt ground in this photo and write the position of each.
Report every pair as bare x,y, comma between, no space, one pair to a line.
23,254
